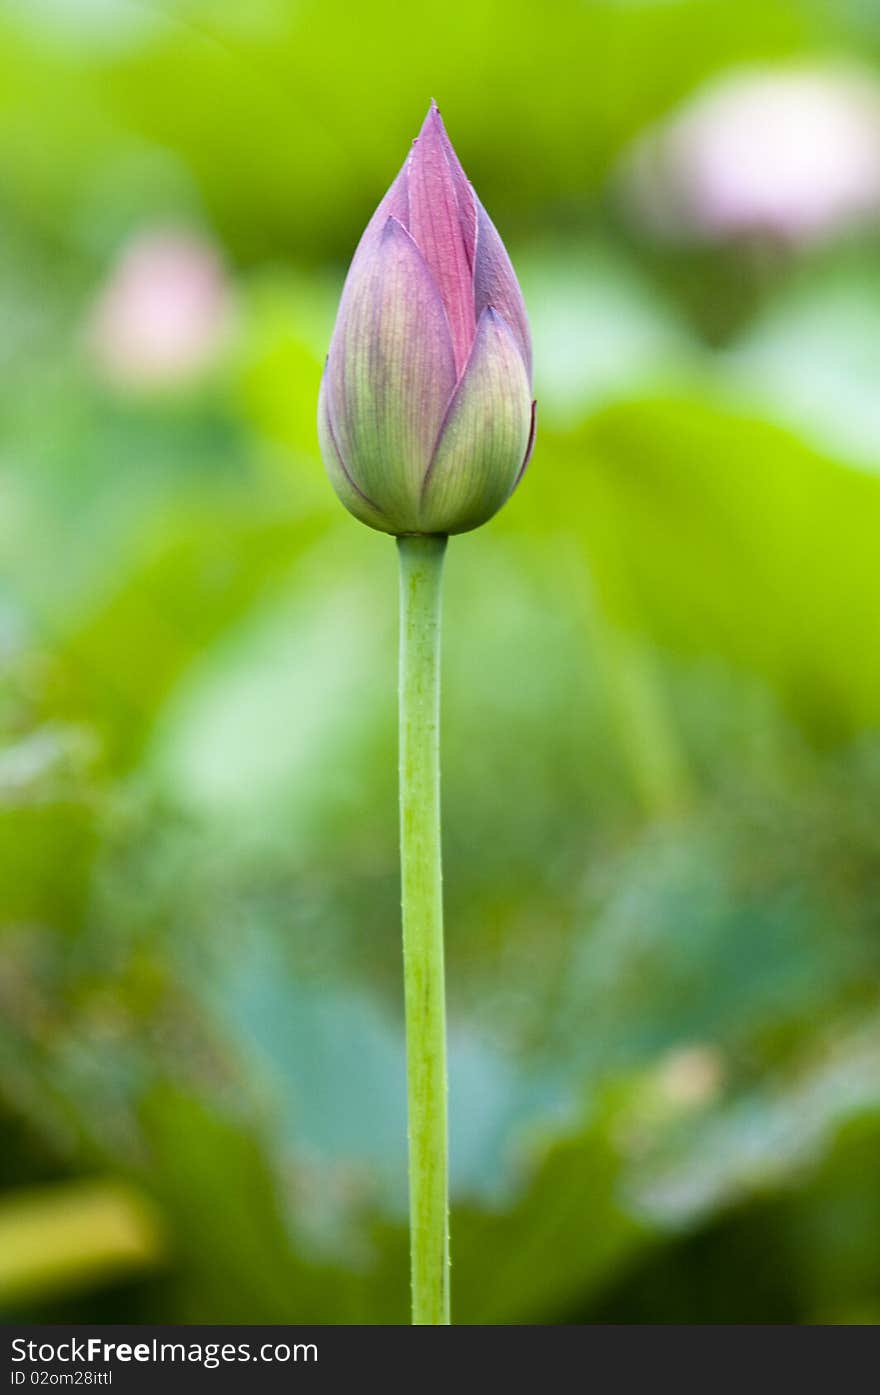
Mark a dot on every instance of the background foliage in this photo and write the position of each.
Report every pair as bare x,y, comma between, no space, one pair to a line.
662,697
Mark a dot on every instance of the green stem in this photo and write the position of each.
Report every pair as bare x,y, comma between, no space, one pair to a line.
421,570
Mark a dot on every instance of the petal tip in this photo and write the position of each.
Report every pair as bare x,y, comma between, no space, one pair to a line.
393,231
432,126
491,318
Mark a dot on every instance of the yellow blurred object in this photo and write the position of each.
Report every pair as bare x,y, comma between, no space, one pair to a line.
59,1238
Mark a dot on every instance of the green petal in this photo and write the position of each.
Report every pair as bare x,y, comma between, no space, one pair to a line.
354,500
484,438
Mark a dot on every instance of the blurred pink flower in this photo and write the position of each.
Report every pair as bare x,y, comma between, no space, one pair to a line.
792,154
164,314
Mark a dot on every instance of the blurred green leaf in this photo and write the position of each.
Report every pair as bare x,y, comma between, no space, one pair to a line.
717,534
314,129
194,580
812,360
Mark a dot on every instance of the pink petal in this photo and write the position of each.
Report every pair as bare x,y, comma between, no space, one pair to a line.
437,225
495,284
465,196
390,373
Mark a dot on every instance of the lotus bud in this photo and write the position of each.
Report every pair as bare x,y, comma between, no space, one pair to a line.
425,417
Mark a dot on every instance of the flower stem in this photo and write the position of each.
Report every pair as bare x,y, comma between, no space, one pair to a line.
421,570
